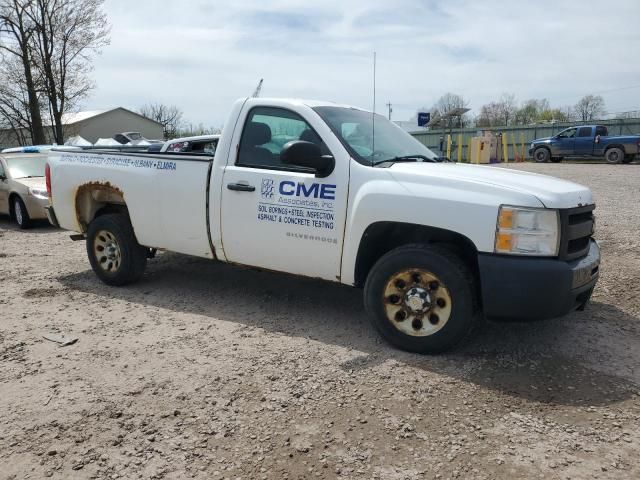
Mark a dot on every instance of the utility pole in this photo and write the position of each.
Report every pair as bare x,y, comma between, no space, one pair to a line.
390,109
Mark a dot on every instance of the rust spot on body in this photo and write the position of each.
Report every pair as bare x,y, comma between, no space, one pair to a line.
92,196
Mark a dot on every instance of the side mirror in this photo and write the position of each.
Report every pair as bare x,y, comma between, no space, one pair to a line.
3,177
309,155
443,159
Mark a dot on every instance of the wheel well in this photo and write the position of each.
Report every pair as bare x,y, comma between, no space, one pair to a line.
609,147
382,237
96,199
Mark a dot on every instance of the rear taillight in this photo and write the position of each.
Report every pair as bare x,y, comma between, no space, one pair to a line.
47,176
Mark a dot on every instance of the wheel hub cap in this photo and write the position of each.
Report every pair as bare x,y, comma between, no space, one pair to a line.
417,302
107,251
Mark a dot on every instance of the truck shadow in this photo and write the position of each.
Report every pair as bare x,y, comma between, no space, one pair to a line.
584,359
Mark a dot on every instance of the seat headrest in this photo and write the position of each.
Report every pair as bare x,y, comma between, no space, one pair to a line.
257,133
310,136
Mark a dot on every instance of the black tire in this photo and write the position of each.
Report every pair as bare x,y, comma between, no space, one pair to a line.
455,279
122,259
541,155
20,213
556,159
614,155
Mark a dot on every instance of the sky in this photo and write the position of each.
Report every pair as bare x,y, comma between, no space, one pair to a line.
201,55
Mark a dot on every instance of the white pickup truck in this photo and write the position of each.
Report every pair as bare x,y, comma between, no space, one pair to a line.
334,192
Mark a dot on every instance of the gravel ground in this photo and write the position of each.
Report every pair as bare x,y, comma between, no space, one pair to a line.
208,371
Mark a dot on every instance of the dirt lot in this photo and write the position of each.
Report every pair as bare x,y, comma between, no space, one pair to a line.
207,371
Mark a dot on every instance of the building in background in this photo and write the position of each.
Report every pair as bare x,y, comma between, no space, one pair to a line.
95,124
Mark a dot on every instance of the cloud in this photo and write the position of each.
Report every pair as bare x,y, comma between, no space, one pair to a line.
201,55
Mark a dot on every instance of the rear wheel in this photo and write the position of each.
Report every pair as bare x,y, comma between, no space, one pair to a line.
614,155
421,298
114,253
541,155
20,213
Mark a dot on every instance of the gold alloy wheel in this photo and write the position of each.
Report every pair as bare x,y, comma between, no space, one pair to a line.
107,251
416,302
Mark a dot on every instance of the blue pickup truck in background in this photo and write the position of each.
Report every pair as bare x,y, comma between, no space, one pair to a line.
586,141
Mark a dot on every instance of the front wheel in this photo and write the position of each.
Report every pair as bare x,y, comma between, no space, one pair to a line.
421,298
115,255
541,155
20,213
614,155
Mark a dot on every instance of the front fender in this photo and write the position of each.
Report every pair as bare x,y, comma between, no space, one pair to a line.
470,210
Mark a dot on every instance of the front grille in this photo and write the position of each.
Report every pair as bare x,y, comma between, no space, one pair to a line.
576,230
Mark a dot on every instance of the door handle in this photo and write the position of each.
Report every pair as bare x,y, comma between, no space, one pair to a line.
241,187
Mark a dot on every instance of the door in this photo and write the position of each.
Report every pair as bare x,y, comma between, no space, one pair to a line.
584,141
4,189
565,142
277,216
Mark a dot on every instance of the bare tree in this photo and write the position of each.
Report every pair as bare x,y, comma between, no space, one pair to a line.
68,33
448,103
530,111
589,107
169,116
507,108
14,101
17,33
490,115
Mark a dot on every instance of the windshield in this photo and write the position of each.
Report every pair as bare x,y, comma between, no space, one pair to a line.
354,128
27,166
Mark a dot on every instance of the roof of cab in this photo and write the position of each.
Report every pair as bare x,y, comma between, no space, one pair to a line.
301,101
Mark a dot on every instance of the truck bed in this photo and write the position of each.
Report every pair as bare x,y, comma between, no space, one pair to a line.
165,194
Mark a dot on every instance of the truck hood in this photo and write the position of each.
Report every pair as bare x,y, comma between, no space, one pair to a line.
542,140
550,191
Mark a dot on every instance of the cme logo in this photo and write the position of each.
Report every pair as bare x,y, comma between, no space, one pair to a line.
315,190
268,189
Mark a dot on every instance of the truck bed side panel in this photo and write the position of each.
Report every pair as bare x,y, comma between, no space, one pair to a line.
165,195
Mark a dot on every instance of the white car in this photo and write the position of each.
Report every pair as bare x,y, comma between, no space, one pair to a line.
311,189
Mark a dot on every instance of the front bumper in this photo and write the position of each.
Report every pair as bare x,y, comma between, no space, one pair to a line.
521,288
36,206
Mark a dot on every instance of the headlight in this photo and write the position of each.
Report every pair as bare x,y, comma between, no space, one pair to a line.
39,193
527,231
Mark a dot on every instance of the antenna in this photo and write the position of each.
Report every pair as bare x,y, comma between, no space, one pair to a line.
256,92
373,113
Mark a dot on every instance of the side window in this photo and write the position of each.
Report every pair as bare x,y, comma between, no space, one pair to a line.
584,132
602,131
266,131
569,133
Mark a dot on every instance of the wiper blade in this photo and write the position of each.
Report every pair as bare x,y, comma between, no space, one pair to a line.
405,158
